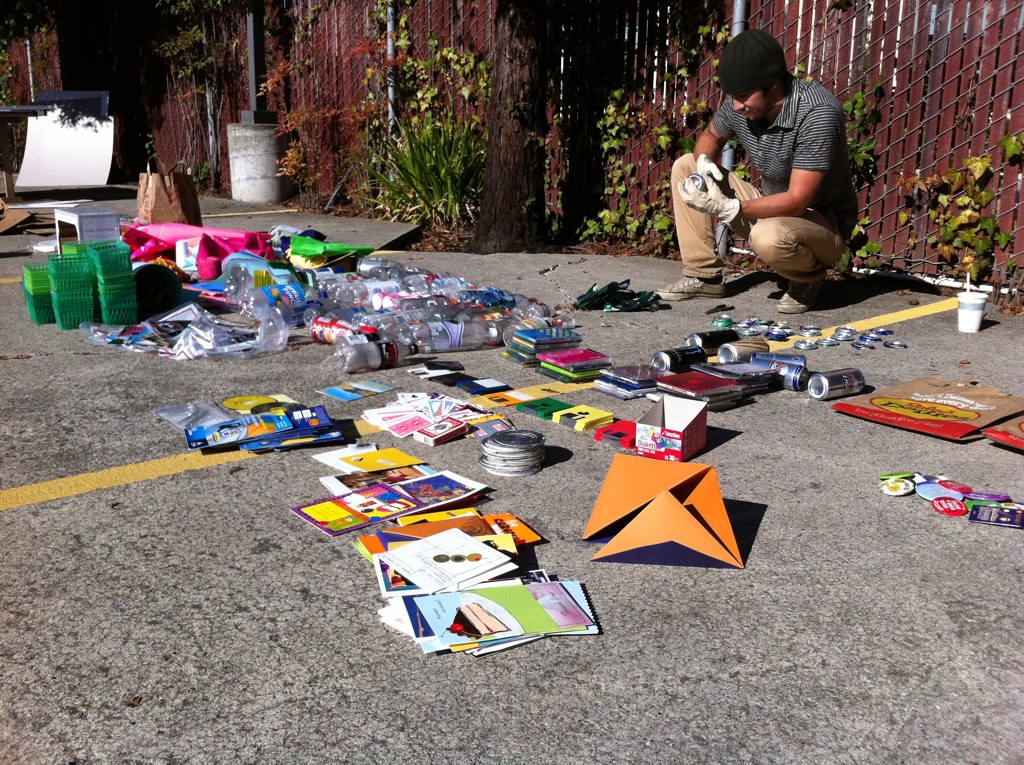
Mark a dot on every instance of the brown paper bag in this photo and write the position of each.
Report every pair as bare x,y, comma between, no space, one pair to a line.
167,198
954,410
1009,433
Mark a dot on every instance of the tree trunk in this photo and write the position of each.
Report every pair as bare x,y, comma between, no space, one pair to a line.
512,209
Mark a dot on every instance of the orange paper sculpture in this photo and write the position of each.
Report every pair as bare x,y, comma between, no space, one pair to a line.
662,513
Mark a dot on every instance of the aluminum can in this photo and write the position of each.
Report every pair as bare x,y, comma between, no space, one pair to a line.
712,341
766,359
742,349
841,382
679,359
698,182
791,376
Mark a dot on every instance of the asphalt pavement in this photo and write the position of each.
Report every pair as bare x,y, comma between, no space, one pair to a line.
159,608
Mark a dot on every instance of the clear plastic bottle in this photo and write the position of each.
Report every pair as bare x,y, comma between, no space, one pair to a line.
528,308
447,336
363,353
366,265
291,300
347,314
536,322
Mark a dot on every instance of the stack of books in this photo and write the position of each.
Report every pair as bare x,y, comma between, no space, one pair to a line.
525,344
573,364
629,381
717,392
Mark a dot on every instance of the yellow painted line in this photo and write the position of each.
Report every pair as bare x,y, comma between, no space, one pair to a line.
10,280
61,488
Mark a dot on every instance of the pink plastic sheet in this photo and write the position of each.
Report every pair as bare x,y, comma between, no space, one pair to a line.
158,240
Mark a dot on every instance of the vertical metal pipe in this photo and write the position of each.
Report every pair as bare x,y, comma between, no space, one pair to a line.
392,31
739,23
31,74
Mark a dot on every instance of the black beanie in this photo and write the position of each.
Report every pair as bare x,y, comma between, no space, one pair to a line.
753,60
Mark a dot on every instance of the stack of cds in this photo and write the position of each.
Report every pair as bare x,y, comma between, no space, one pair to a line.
513,453
573,364
525,344
717,392
751,377
628,382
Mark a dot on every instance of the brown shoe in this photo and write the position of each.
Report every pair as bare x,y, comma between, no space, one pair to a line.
691,287
799,298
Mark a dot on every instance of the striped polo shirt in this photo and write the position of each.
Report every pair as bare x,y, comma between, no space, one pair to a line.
808,134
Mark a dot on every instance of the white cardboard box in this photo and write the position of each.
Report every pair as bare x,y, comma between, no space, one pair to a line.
674,429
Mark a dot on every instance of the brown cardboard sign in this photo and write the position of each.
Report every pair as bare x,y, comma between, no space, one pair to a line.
957,411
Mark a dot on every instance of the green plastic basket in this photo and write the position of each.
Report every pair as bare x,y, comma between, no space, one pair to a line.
70,314
40,308
119,314
35,278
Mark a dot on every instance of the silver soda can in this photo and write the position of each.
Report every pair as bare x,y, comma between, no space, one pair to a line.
679,359
742,349
791,376
841,382
766,359
698,182
712,341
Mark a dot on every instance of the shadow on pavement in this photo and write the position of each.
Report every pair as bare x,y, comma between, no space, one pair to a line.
746,519
93,193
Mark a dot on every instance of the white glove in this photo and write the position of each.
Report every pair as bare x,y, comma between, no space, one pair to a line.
711,201
706,168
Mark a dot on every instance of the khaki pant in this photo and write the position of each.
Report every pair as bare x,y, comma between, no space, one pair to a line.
799,249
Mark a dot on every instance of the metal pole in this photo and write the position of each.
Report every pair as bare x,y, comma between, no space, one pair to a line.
254,32
739,23
392,52
31,75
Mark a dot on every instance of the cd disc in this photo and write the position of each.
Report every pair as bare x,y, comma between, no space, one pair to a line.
246,403
277,407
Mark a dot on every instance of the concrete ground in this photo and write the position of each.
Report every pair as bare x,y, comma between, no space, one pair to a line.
175,611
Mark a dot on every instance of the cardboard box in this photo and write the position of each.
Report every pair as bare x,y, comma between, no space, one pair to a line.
674,429
91,224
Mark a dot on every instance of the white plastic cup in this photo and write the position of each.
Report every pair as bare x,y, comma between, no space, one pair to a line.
970,310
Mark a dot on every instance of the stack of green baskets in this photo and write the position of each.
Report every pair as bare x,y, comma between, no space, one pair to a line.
72,288
35,280
115,281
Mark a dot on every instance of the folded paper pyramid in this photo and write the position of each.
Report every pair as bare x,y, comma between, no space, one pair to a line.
662,513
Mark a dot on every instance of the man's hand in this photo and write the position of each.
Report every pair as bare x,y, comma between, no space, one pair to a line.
711,201
709,169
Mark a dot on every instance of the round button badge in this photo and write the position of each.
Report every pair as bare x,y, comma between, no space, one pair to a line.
897,487
956,486
932,491
949,506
